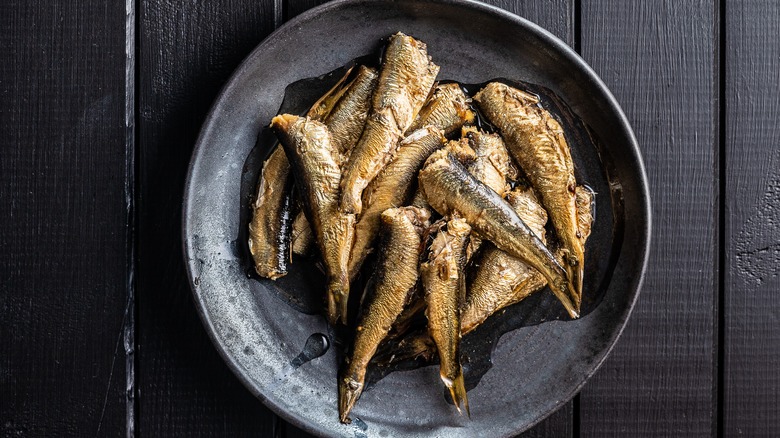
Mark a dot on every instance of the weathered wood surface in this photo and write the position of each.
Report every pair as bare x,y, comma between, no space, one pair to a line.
706,120
187,52
751,344
659,58
63,226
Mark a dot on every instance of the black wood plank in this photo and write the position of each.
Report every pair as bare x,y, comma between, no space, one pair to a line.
752,181
63,256
187,52
295,7
659,58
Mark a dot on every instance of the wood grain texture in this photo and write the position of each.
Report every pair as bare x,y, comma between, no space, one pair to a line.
295,7
752,181
659,59
555,16
187,52
63,247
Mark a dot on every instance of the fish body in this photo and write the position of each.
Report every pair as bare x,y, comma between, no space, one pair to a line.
499,275
272,228
393,187
490,164
502,280
449,188
315,164
447,109
389,290
443,280
536,140
348,116
272,209
405,80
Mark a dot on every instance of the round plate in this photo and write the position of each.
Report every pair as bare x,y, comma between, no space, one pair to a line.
541,360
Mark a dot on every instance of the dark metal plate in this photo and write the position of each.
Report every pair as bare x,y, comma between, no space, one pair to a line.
544,358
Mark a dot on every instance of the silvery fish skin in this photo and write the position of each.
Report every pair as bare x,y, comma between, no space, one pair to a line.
405,81
348,116
272,209
536,140
443,280
393,187
447,109
502,280
449,189
491,165
499,274
390,288
315,165
269,228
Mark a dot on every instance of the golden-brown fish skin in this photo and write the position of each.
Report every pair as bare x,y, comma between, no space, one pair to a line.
462,151
405,80
392,283
270,227
325,104
418,200
491,164
499,274
449,188
393,187
348,116
536,140
315,164
584,197
447,109
444,281
502,280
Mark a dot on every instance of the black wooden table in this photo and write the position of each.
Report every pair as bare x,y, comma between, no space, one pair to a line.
101,103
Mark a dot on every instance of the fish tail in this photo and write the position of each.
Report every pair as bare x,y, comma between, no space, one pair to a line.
457,387
350,388
564,290
574,271
576,274
338,294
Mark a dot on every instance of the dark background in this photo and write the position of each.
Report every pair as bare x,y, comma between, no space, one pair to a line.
100,106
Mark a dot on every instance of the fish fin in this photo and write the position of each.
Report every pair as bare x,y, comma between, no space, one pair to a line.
457,389
576,274
574,271
337,302
564,292
350,389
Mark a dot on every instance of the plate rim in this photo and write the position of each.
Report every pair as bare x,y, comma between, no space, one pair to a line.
644,231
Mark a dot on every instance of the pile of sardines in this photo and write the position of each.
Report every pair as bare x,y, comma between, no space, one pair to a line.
390,162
